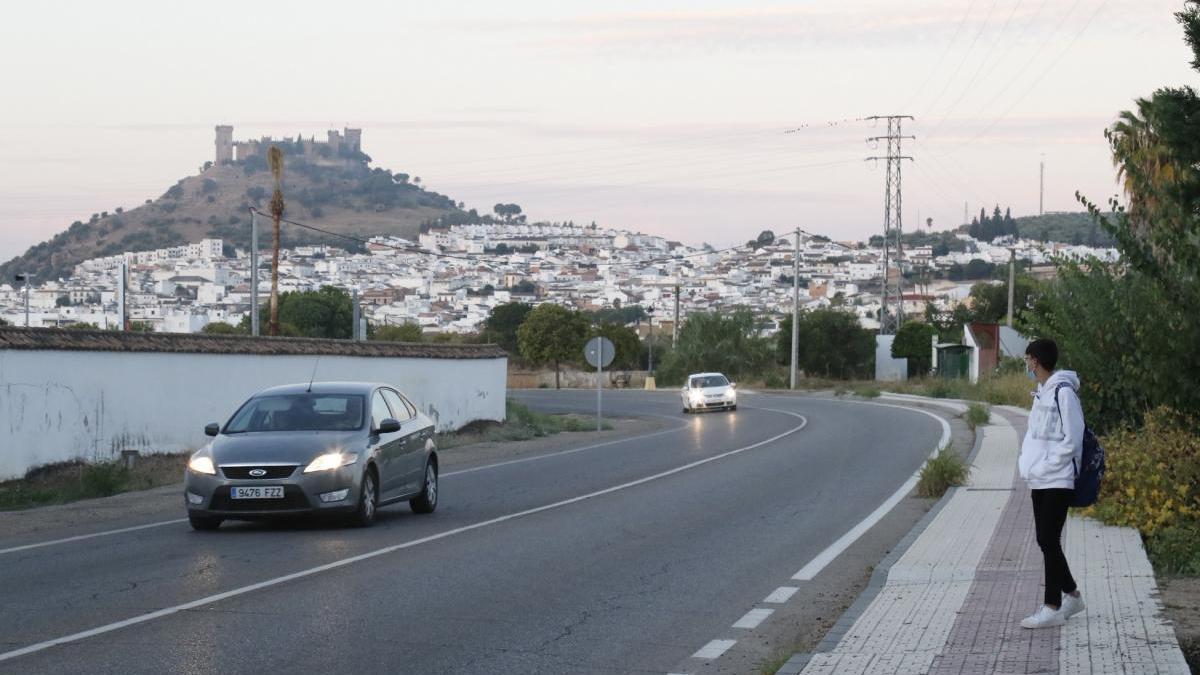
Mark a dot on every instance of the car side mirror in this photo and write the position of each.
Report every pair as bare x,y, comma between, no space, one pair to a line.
212,429
389,426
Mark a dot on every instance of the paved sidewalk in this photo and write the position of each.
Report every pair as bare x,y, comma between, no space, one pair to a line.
953,600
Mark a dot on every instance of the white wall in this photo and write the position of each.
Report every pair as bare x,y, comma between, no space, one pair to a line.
887,368
62,405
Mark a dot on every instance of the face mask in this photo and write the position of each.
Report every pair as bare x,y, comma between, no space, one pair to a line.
1030,374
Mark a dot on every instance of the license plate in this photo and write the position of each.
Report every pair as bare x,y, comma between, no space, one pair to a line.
258,492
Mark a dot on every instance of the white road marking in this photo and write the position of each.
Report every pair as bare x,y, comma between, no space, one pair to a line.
194,604
753,618
81,537
174,521
714,649
814,566
781,595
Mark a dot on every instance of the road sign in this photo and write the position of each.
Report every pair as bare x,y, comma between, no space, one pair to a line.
599,352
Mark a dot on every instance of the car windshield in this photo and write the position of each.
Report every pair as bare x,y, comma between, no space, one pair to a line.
299,412
709,381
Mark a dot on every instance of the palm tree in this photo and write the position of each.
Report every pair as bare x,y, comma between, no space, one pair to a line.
275,160
1144,163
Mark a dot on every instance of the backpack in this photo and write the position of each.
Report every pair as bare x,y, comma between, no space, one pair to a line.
1089,476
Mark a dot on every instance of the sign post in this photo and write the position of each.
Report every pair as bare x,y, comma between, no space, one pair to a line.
599,352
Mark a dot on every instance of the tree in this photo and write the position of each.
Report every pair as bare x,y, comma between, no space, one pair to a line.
989,302
502,323
914,341
832,344
552,334
627,346
275,159
405,332
222,328
325,313
727,342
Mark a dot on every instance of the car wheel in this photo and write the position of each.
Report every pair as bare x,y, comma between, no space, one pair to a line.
368,500
426,502
205,523
733,407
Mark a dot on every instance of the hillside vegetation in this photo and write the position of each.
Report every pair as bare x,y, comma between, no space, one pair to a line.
341,194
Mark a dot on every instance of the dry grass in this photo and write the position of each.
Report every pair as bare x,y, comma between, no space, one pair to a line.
71,481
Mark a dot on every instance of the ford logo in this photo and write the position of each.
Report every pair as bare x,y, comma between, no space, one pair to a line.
257,473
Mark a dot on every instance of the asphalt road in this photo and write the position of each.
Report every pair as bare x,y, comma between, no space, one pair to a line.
622,558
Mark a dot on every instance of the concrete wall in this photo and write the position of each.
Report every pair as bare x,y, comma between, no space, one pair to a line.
60,405
574,379
887,368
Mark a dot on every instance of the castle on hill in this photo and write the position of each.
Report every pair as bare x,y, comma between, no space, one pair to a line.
348,141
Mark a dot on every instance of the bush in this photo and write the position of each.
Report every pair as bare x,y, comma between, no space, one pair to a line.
868,391
103,479
977,415
1175,549
942,472
1152,480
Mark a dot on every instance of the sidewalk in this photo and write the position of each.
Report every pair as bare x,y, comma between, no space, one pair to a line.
952,602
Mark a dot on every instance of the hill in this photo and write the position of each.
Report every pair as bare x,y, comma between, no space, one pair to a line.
1065,228
342,194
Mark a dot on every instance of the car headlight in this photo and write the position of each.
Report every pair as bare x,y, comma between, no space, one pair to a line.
202,464
697,397
330,461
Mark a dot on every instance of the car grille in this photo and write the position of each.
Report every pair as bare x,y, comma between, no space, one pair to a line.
243,472
293,498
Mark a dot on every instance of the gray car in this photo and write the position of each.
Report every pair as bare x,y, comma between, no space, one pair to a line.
325,448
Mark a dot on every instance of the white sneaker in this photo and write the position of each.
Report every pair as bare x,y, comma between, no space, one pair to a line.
1071,606
1045,617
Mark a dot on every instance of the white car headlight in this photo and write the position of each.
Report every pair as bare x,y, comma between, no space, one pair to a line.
202,464
330,461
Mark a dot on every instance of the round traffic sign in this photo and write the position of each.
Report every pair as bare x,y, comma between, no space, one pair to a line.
599,352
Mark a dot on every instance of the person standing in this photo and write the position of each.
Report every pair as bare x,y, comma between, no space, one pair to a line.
1051,454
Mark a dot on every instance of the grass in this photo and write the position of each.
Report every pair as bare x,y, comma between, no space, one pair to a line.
1007,389
521,424
977,415
66,482
867,391
944,471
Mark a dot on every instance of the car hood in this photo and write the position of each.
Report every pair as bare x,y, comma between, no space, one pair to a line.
712,391
295,447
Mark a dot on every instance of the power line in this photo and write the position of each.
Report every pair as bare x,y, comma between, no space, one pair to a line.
963,60
941,59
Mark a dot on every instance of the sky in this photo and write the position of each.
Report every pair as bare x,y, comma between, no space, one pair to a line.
703,121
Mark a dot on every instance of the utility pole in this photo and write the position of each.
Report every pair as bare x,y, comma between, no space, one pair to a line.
27,278
891,312
650,339
122,289
966,218
1041,184
675,326
254,272
1012,266
354,326
795,309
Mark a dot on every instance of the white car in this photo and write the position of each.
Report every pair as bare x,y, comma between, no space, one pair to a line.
708,391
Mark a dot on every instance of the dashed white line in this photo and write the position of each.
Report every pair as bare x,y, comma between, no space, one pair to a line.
200,602
714,649
753,618
781,595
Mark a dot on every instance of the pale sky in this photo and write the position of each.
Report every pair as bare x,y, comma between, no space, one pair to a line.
664,117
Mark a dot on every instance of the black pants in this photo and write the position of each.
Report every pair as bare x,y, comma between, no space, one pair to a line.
1049,516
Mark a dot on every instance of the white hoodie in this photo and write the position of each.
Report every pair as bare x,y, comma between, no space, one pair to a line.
1051,442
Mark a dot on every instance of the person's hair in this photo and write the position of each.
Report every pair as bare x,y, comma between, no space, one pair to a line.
1045,351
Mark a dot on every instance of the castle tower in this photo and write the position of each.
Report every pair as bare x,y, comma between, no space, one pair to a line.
224,144
335,142
354,139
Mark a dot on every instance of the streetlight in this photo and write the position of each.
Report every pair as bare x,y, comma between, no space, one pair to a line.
27,278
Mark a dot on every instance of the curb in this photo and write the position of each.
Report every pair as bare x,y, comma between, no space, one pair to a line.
797,663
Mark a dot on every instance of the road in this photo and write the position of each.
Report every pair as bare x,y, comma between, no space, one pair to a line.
627,557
